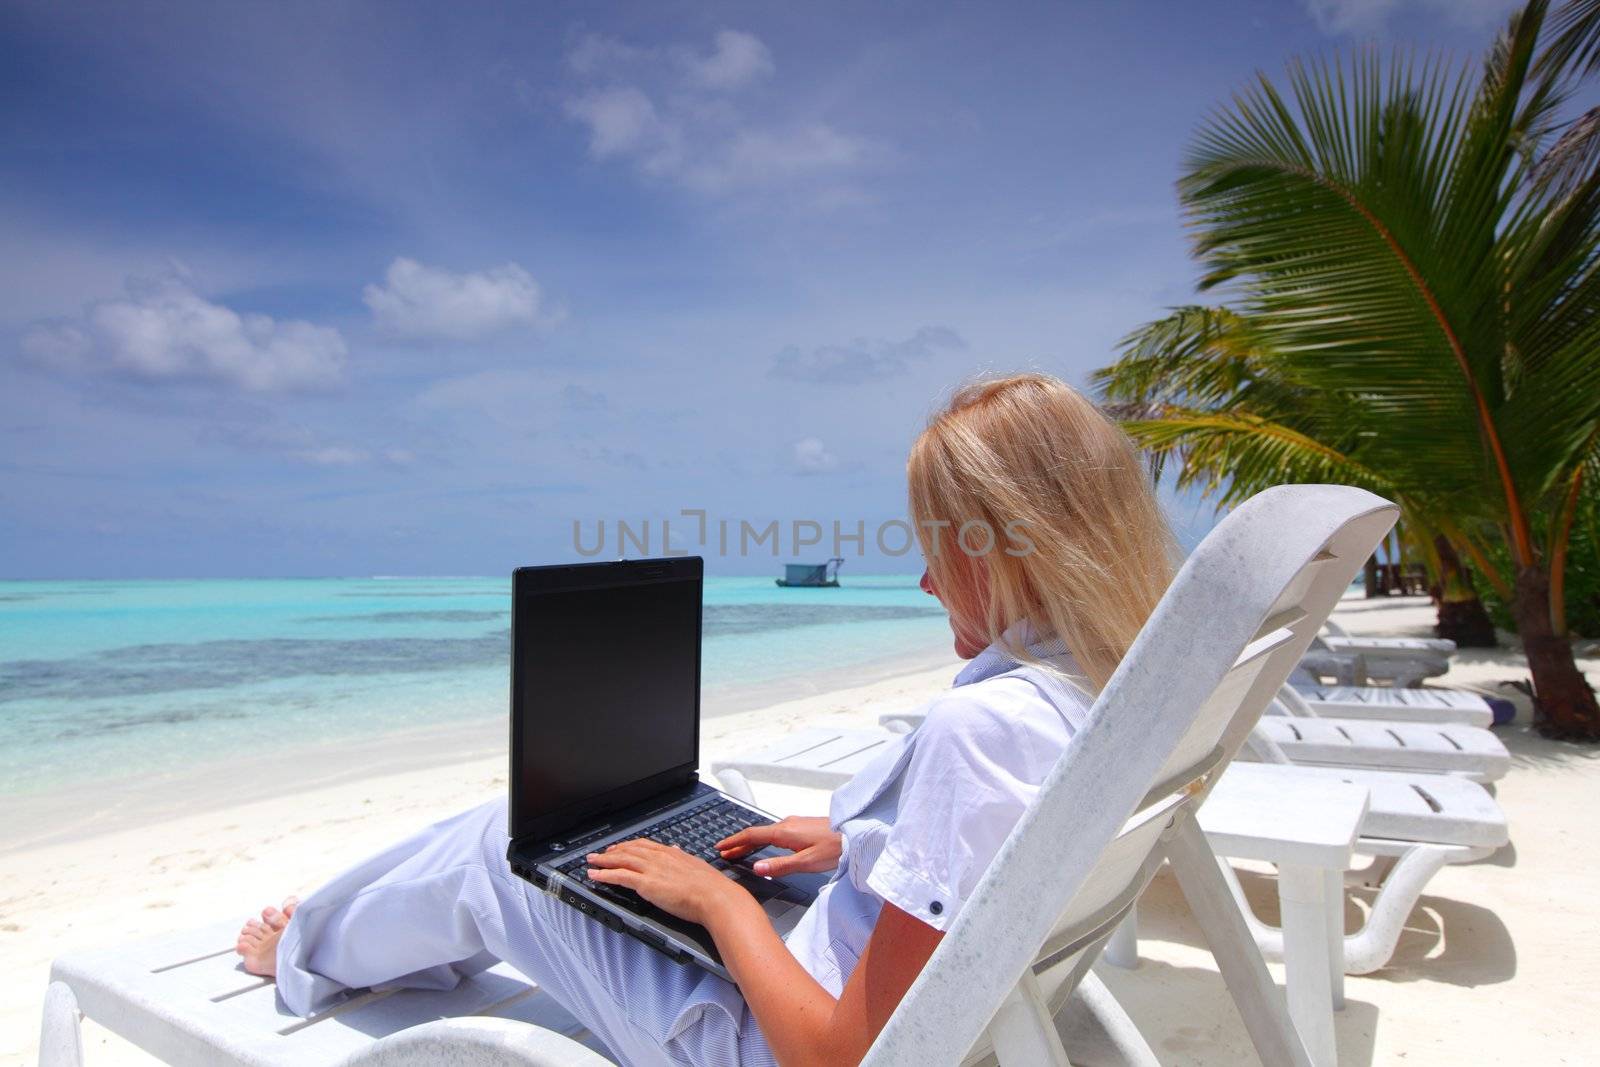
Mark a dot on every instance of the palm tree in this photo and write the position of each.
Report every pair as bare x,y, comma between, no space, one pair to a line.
1384,230
1201,388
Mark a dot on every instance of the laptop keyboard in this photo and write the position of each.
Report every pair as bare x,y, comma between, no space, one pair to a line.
696,831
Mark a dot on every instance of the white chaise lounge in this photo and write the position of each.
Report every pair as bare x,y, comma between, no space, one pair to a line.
1118,803
1415,823
1371,744
1389,703
185,1000
1431,748
1351,665
1341,640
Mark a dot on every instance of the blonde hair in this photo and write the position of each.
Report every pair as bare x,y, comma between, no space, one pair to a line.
1077,544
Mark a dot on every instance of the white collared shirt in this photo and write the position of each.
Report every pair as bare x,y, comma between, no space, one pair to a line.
922,822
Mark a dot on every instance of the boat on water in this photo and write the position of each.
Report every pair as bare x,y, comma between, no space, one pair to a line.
812,575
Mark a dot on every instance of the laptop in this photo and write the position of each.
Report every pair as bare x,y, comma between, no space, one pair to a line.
605,744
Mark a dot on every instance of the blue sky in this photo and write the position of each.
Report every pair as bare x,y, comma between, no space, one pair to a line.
343,288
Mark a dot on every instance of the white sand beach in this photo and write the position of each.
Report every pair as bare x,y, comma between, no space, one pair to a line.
1497,966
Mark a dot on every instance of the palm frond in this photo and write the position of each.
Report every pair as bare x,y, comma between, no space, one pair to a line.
1362,217
1574,51
1572,159
1233,456
1197,355
1330,213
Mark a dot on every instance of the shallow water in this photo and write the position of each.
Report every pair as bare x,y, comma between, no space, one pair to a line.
143,678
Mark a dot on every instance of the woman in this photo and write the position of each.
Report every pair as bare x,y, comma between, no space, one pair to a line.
1041,535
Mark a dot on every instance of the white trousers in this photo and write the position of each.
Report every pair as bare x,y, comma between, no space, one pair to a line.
444,904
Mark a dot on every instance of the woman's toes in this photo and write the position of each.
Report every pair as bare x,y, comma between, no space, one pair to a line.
258,943
258,938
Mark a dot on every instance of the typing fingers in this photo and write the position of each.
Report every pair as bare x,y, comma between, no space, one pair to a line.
630,854
629,879
612,859
745,841
806,861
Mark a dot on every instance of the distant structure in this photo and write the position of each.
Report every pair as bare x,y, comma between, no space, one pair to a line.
812,575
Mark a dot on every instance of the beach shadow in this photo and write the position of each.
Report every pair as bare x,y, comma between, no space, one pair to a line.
1504,856
1513,669
1443,940
1454,943
1503,673
1529,749
1187,1016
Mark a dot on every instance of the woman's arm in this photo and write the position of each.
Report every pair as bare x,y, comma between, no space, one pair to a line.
802,1021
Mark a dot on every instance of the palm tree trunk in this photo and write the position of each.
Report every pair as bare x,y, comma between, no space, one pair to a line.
1369,575
1563,704
1462,616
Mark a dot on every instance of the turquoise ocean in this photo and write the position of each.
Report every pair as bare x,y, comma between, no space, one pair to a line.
129,679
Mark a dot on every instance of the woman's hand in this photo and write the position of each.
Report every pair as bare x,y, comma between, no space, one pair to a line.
668,877
815,845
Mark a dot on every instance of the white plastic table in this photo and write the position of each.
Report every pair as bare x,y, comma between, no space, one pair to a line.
1309,832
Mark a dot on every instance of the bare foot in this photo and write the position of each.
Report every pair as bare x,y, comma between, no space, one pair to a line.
258,941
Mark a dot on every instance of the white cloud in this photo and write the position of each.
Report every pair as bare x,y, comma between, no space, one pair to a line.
811,456
1349,16
349,456
864,360
620,120
421,303
576,398
761,155
1369,16
301,444
164,330
62,345
484,390
596,54
511,403
605,455
333,456
677,114
736,60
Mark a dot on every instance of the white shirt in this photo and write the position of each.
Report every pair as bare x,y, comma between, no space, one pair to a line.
922,822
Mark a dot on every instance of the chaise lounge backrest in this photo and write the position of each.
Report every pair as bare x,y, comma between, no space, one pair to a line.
1233,624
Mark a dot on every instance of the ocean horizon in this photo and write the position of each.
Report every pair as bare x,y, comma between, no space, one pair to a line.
147,678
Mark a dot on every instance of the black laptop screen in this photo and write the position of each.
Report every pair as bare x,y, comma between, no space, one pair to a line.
605,689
